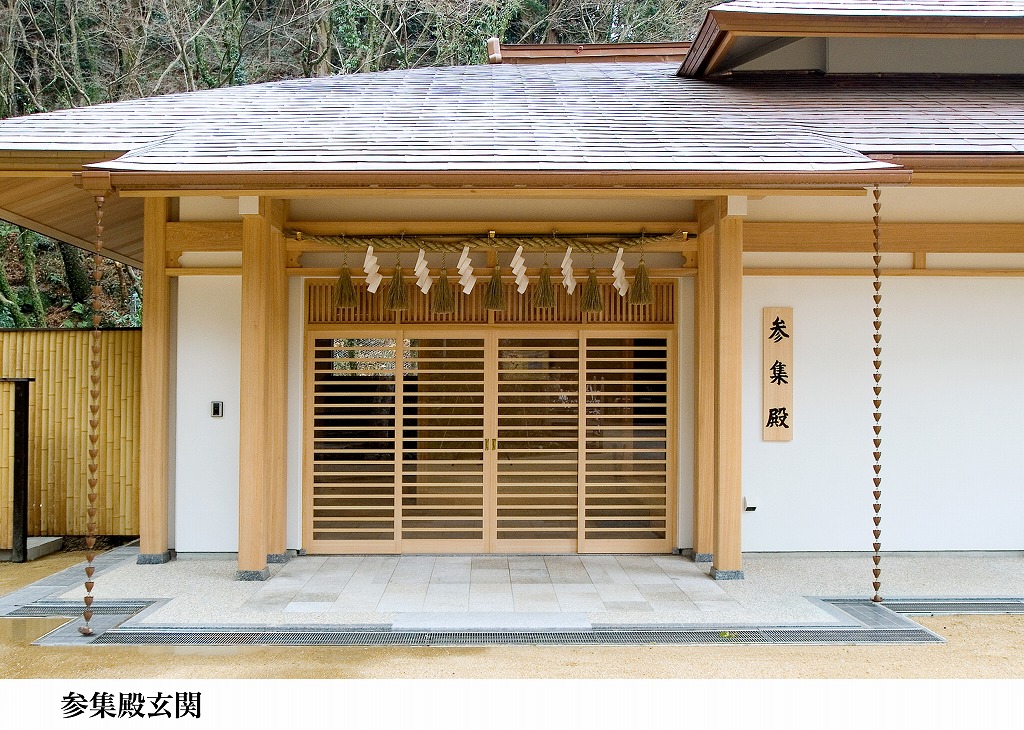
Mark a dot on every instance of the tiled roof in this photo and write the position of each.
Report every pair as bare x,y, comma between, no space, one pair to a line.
893,114
977,8
622,117
635,117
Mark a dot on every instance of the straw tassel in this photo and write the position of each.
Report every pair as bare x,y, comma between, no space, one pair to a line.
544,294
641,293
590,298
344,292
397,295
494,297
443,299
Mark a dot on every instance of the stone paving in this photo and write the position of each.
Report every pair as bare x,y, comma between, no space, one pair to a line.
521,592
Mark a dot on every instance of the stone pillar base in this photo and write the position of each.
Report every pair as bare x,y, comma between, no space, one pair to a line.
281,557
726,574
703,557
154,558
252,574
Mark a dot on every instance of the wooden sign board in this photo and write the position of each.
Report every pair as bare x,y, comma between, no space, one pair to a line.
777,374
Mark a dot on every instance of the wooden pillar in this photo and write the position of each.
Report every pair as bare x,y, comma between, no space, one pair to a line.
277,403
155,386
726,563
259,403
705,351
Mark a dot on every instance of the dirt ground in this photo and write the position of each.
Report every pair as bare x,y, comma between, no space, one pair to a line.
979,647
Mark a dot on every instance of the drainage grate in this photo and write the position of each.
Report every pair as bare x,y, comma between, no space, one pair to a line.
492,638
980,605
74,609
853,636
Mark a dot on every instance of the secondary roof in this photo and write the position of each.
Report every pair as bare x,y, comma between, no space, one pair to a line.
735,32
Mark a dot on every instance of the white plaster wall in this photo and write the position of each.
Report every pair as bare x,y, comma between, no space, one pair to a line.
207,208
806,54
206,465
844,55
925,55
172,428
952,401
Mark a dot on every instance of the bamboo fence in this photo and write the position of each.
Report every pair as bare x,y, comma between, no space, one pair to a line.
59,426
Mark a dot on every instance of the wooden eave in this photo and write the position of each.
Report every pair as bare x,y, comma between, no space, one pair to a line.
141,183
51,163
967,170
39,190
721,28
593,52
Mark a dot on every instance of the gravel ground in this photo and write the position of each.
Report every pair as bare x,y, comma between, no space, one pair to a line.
984,647
979,647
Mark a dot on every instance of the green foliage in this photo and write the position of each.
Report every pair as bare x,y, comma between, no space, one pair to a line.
34,288
66,53
75,275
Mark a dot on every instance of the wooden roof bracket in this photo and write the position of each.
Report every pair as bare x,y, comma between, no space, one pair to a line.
96,182
493,50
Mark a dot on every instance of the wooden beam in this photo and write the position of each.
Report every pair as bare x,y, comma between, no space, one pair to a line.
786,236
204,236
852,24
154,401
704,388
28,172
277,400
291,184
472,192
992,273
481,228
254,467
205,271
728,395
965,178
222,236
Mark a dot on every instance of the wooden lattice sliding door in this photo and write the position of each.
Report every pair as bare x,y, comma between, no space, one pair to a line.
476,437
537,446
629,466
350,454
442,443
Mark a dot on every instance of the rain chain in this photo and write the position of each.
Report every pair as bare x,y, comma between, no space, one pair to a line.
94,421
877,402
